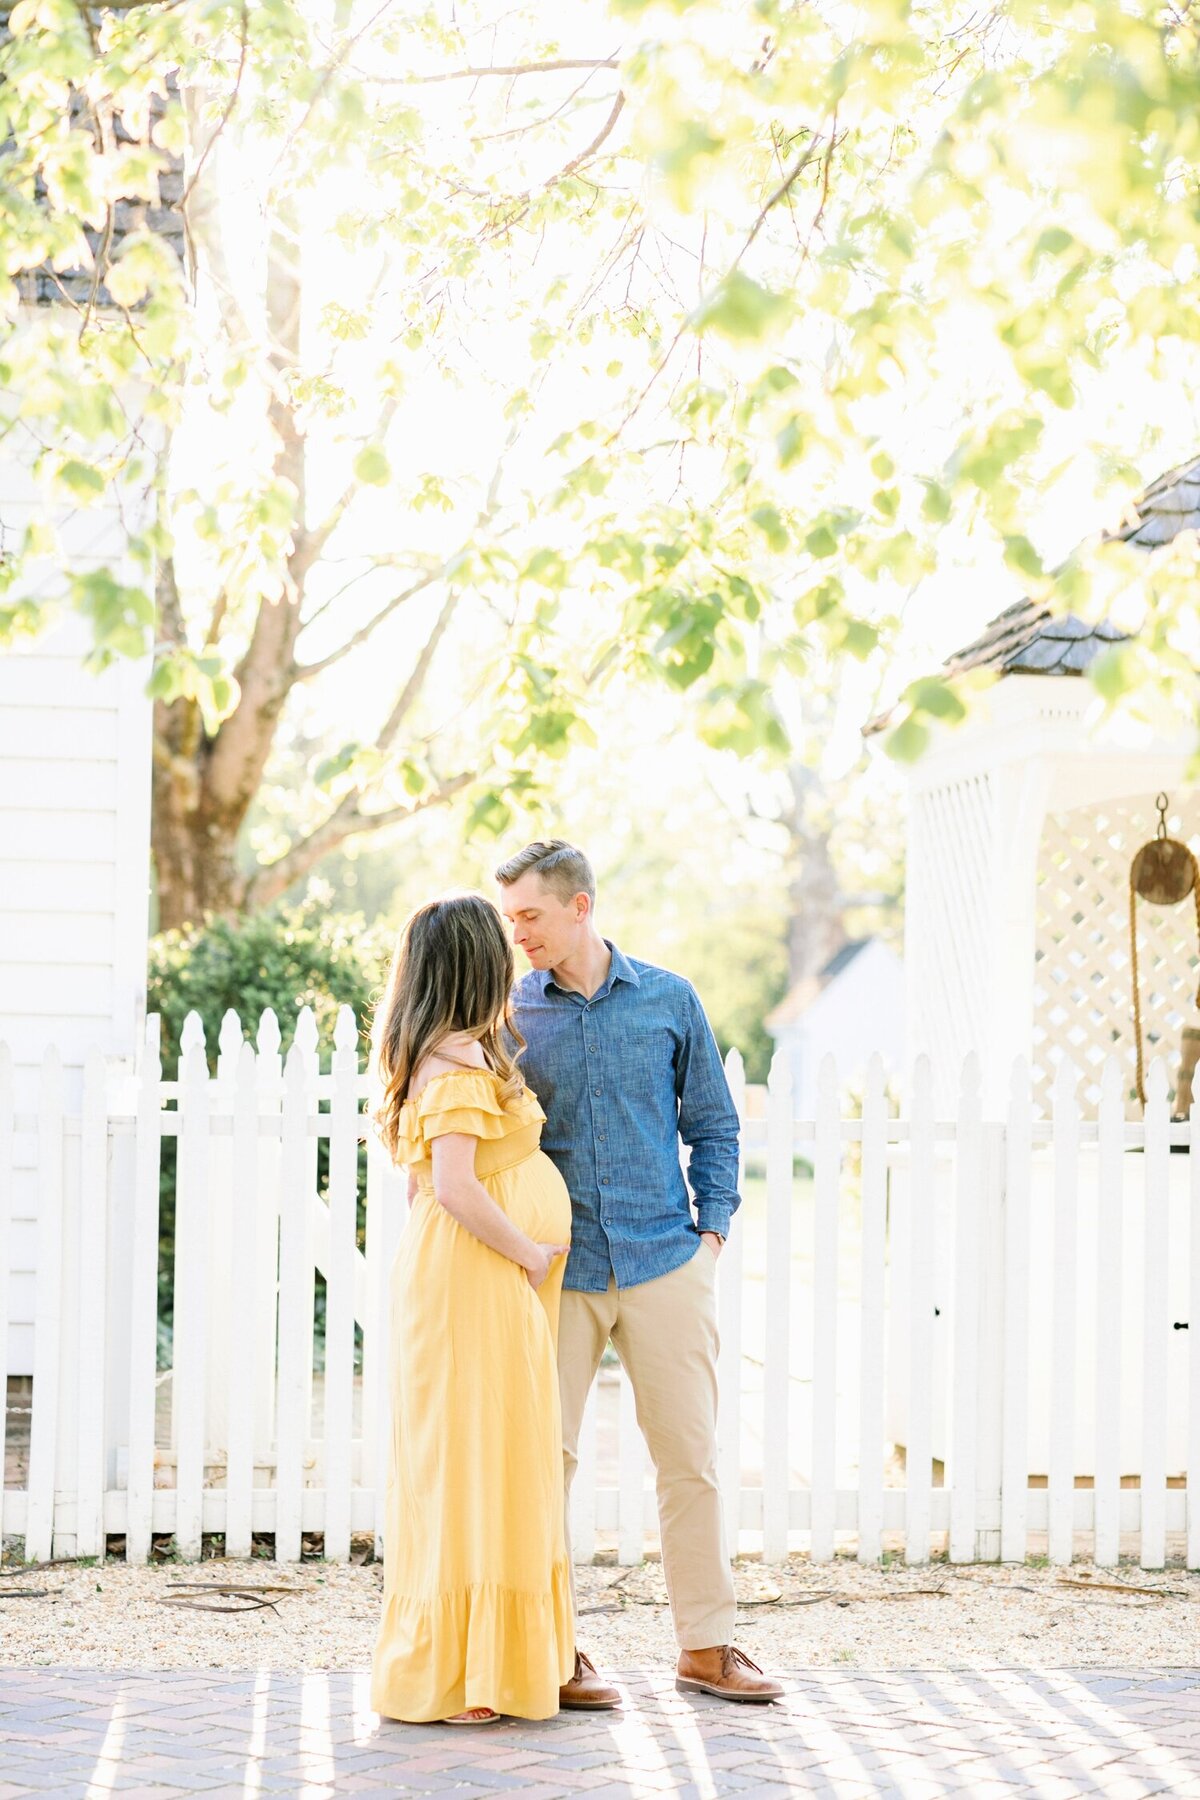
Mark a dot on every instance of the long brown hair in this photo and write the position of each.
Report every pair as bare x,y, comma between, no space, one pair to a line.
452,971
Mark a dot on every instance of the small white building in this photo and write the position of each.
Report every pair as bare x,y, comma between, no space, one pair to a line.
849,1009
1023,823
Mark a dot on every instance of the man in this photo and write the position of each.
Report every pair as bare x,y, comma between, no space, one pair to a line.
624,1063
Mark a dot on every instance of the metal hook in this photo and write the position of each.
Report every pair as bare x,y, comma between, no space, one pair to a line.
1162,802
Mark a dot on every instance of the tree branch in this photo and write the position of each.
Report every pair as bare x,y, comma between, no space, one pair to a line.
346,821
555,66
411,690
307,671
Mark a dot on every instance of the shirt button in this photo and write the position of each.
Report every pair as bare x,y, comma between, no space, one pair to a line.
596,1091
604,1181
591,1049
602,1135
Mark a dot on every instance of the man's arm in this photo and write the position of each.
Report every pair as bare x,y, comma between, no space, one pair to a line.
708,1121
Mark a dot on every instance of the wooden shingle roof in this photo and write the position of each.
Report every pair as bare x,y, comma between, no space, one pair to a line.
1028,638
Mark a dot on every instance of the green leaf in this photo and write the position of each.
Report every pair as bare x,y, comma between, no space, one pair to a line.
936,697
741,310
85,482
371,466
1114,672
1020,555
908,741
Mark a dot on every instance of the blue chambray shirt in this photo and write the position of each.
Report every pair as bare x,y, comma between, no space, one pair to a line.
621,1078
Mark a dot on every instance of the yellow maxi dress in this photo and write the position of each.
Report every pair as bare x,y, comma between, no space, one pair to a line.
476,1589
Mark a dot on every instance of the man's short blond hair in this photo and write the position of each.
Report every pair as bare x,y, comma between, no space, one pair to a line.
562,868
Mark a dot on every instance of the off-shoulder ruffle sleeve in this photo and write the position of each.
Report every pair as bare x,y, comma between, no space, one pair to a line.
466,1100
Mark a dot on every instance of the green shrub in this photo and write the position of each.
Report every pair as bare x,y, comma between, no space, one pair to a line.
285,958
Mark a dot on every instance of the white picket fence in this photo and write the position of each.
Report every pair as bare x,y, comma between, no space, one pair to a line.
1005,1298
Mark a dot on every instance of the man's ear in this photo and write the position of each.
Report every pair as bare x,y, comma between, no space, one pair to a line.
583,907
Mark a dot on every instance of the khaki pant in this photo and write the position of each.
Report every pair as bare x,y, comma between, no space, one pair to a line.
665,1333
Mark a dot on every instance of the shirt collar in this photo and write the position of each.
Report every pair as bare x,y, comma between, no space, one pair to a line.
620,969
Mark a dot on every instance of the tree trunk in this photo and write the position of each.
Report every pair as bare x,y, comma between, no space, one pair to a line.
817,930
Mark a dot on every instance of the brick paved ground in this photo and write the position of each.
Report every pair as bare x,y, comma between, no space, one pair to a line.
982,1734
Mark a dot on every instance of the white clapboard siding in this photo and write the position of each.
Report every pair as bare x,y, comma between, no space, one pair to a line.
74,877
48,1321
249,1466
93,1290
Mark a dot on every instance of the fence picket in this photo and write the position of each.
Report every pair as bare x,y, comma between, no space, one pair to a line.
189,1337
387,1216
221,1227
871,1314
826,1180
268,1076
968,1206
241,1256
1155,1323
143,1285
7,1133
295,1309
1060,1479
729,1321
93,1284
776,1313
339,1286
47,1324
1014,1480
1110,1262
1193,1437
249,1120
918,1459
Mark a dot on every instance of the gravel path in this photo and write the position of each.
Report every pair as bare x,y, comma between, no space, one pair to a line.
799,1616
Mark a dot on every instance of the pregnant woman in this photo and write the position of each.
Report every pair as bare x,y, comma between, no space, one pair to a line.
476,1595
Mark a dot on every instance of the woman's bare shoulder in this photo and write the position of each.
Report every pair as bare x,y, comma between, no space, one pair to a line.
453,1052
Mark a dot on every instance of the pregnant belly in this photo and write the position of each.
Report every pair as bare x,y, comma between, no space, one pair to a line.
535,1197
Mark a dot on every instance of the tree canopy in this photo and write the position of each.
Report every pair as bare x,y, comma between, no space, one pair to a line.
516,364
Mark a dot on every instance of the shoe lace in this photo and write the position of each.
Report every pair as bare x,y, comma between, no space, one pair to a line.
734,1656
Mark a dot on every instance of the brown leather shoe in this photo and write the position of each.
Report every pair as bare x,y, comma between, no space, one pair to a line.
585,1690
726,1672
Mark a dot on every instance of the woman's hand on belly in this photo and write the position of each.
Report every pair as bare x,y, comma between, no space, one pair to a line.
546,1255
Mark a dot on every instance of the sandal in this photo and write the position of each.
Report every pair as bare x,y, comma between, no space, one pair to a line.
474,1715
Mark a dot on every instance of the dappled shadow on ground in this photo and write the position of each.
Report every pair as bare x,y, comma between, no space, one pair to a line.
846,1733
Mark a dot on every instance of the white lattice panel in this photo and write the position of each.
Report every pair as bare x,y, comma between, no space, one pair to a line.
1083,1000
